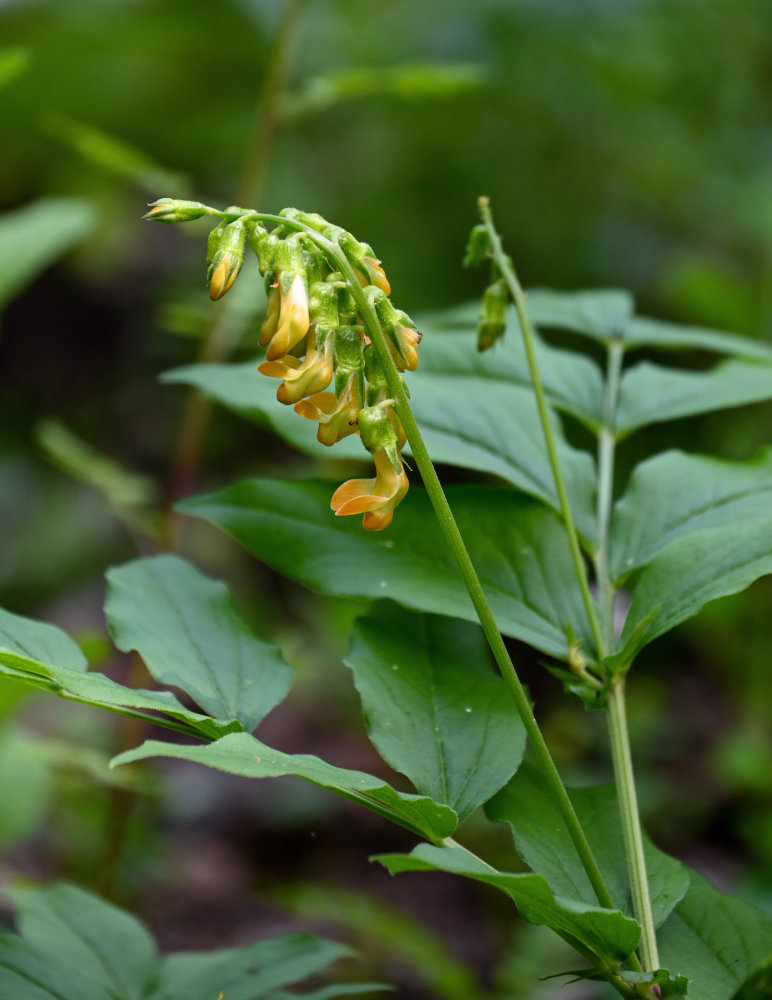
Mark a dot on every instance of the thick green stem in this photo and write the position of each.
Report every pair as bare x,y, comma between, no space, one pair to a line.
507,270
631,824
616,715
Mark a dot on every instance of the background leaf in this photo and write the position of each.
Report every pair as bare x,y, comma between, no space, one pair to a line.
544,844
652,394
92,938
187,631
240,753
605,933
435,708
674,494
519,549
715,939
33,237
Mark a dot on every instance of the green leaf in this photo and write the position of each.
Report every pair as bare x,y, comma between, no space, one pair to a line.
651,394
188,633
74,946
412,81
248,972
519,549
33,237
114,155
39,641
694,570
674,494
606,934
28,649
644,332
716,940
92,939
435,708
240,753
601,314
545,845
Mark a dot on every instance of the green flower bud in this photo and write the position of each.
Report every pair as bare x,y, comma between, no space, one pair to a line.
376,430
171,210
264,245
478,246
493,315
347,350
225,255
323,303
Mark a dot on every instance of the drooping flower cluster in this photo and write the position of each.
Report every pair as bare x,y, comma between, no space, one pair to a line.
315,339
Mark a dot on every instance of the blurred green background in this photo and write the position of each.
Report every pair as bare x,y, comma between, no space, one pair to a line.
622,144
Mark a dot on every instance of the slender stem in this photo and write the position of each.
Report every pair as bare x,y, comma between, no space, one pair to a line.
606,455
631,824
616,715
504,264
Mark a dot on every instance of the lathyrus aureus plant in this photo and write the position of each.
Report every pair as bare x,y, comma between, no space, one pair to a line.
314,334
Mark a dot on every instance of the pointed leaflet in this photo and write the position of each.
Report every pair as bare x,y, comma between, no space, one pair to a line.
39,641
74,946
435,707
240,753
645,332
692,571
27,648
651,394
518,547
90,939
187,631
606,934
544,844
248,972
716,940
674,495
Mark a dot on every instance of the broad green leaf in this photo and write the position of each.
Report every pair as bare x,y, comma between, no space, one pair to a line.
33,237
642,331
248,972
674,494
42,656
601,314
694,570
651,394
74,946
114,155
607,934
188,633
95,689
476,411
240,753
435,708
518,547
90,937
545,845
30,972
39,641
716,940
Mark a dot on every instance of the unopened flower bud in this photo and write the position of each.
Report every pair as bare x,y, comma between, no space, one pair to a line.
493,315
478,246
171,210
263,244
225,256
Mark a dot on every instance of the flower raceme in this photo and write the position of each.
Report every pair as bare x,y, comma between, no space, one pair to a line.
315,339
